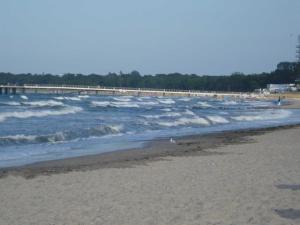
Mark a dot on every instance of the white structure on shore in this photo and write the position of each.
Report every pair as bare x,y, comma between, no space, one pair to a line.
279,88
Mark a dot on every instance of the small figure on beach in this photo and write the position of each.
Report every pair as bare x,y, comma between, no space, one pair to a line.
172,141
279,101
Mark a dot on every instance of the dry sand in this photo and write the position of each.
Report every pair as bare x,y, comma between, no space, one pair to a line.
254,182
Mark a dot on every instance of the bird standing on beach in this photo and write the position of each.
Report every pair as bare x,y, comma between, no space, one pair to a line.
172,141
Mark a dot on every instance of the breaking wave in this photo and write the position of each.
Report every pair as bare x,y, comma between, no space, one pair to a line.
185,99
24,97
60,136
83,96
49,103
267,115
168,113
229,103
186,121
166,101
217,119
42,113
189,112
203,105
68,98
114,104
125,104
172,114
10,103
100,104
123,99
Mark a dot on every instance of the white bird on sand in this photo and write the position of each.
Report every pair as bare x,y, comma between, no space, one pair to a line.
172,141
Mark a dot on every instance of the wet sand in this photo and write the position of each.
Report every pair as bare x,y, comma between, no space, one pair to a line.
293,104
247,177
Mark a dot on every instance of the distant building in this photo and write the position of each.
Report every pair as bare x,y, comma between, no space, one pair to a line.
291,66
280,88
297,82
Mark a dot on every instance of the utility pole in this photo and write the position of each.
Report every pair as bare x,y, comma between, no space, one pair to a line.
298,58
298,50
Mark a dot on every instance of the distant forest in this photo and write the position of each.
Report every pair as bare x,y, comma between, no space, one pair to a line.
236,82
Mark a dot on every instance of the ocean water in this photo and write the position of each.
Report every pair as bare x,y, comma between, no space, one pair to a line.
40,127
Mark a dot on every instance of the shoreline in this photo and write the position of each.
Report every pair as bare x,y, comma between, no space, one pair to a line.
192,145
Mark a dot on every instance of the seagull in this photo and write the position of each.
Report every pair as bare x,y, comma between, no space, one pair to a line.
172,141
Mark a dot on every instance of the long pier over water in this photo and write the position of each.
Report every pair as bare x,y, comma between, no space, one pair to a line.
62,89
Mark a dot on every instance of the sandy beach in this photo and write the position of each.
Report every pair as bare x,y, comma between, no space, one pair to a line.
250,177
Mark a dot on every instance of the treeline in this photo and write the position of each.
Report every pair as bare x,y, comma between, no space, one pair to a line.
235,82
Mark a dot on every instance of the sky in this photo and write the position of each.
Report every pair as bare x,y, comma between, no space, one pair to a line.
212,37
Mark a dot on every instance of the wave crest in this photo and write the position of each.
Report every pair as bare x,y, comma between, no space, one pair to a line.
217,119
42,113
60,136
186,121
49,103
114,104
267,115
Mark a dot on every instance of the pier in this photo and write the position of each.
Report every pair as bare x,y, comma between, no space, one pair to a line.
100,90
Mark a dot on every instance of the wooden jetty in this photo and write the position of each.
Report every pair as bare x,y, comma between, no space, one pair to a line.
79,89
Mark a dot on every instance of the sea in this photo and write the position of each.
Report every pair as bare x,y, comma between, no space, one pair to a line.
42,127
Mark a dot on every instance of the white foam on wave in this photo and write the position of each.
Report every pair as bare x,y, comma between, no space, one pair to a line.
204,105
123,98
125,104
24,97
185,99
59,98
83,96
152,116
19,138
217,119
189,112
44,103
100,104
42,113
229,103
167,101
172,114
62,135
68,98
223,113
115,104
117,128
11,103
73,98
266,115
143,98
186,121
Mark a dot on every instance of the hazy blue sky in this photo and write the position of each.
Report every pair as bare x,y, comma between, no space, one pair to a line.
151,36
